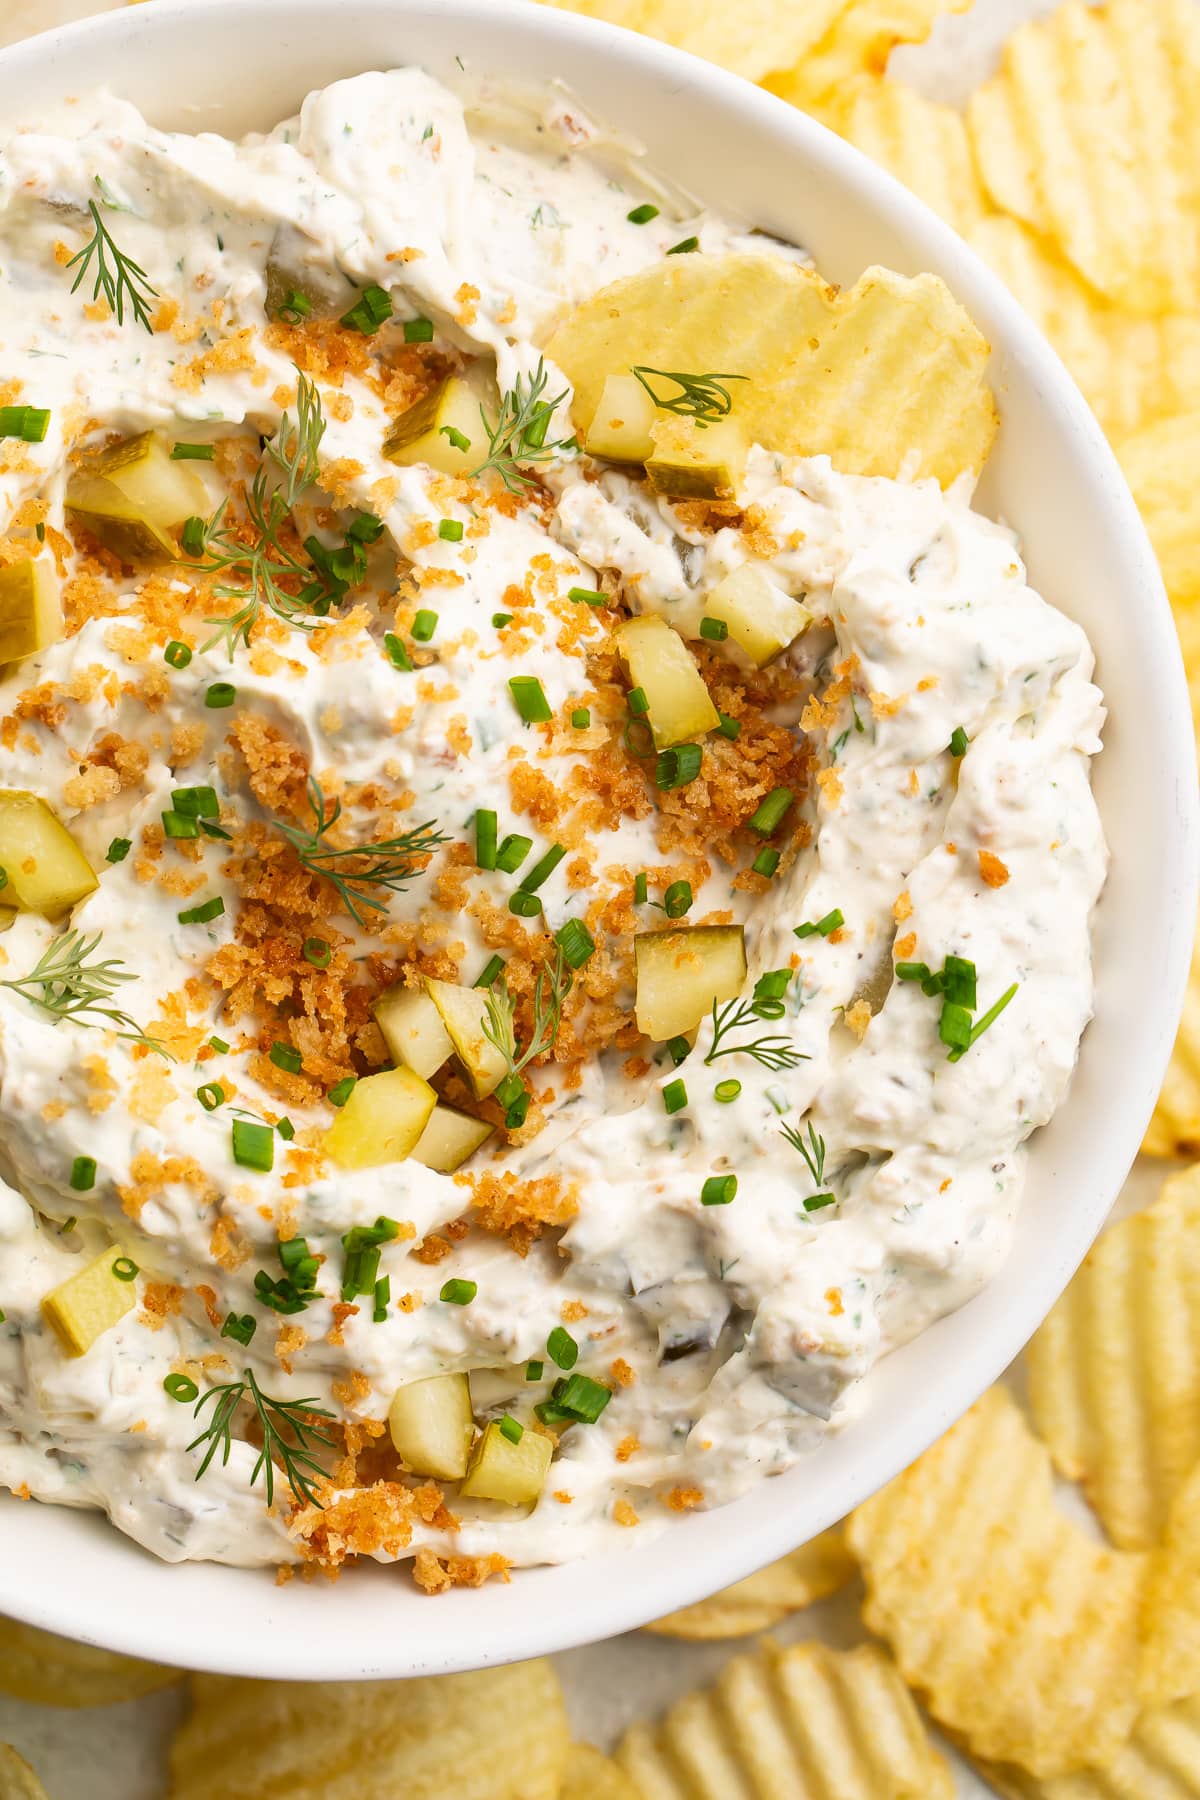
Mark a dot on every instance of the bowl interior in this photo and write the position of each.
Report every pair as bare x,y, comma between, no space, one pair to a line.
237,64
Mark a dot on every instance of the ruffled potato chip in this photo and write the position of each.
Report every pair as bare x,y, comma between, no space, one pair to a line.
922,144
1132,370
806,1723
767,1597
1021,1633
497,1734
1114,1373
54,1671
859,42
1161,1761
17,1779
1159,465
885,378
1090,132
751,38
590,1776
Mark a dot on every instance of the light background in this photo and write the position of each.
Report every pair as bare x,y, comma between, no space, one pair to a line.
118,1752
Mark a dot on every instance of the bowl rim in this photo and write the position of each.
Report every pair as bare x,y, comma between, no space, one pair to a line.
283,1636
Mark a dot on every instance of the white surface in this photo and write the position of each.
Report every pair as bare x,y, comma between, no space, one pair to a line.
116,1754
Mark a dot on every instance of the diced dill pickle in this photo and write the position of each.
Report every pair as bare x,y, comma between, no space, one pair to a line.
291,272
86,1305
30,613
620,429
131,494
47,871
695,462
681,973
443,429
382,1120
463,1012
762,619
432,1425
449,1139
679,708
502,1470
412,1029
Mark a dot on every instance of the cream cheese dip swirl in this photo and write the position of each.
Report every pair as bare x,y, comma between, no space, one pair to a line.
446,1111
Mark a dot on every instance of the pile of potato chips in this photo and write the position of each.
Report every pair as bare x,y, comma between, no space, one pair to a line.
1064,1661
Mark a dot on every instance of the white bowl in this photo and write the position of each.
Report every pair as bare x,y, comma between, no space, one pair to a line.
235,64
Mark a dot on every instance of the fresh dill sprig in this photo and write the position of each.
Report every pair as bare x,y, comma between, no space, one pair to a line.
275,1417
66,985
519,432
499,1028
122,281
387,865
264,564
774,1051
813,1152
700,397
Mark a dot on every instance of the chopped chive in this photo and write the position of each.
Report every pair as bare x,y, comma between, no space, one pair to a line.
219,1045
684,247
493,967
676,768
83,1174
201,915
529,699
678,899
296,306
241,1327
367,528
215,831
211,1095
125,1269
637,702
383,1296
981,1025
287,1058
220,694
678,1049
641,888
459,1293
485,838
815,1202
824,927
193,452
525,905
581,718
180,825
587,596
418,331
675,1096
562,1349
715,630
177,655
576,942
253,1145
728,728
576,1398
766,863
341,1090
954,1026
769,813
500,620
450,531
457,440
726,1092
194,536
29,423
541,870
424,626
512,1429
718,1190
512,853
958,742
118,850
533,1370
642,215
372,309
772,985
286,1130
396,653
181,1388
197,802
317,952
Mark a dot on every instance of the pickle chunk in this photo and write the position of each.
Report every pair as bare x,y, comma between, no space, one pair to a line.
659,662
621,426
463,1011
696,462
680,974
502,1470
131,495
432,1425
412,1029
444,429
762,619
30,614
46,870
449,1139
382,1121
86,1305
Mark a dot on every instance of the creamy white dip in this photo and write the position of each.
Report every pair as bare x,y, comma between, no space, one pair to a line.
740,1330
